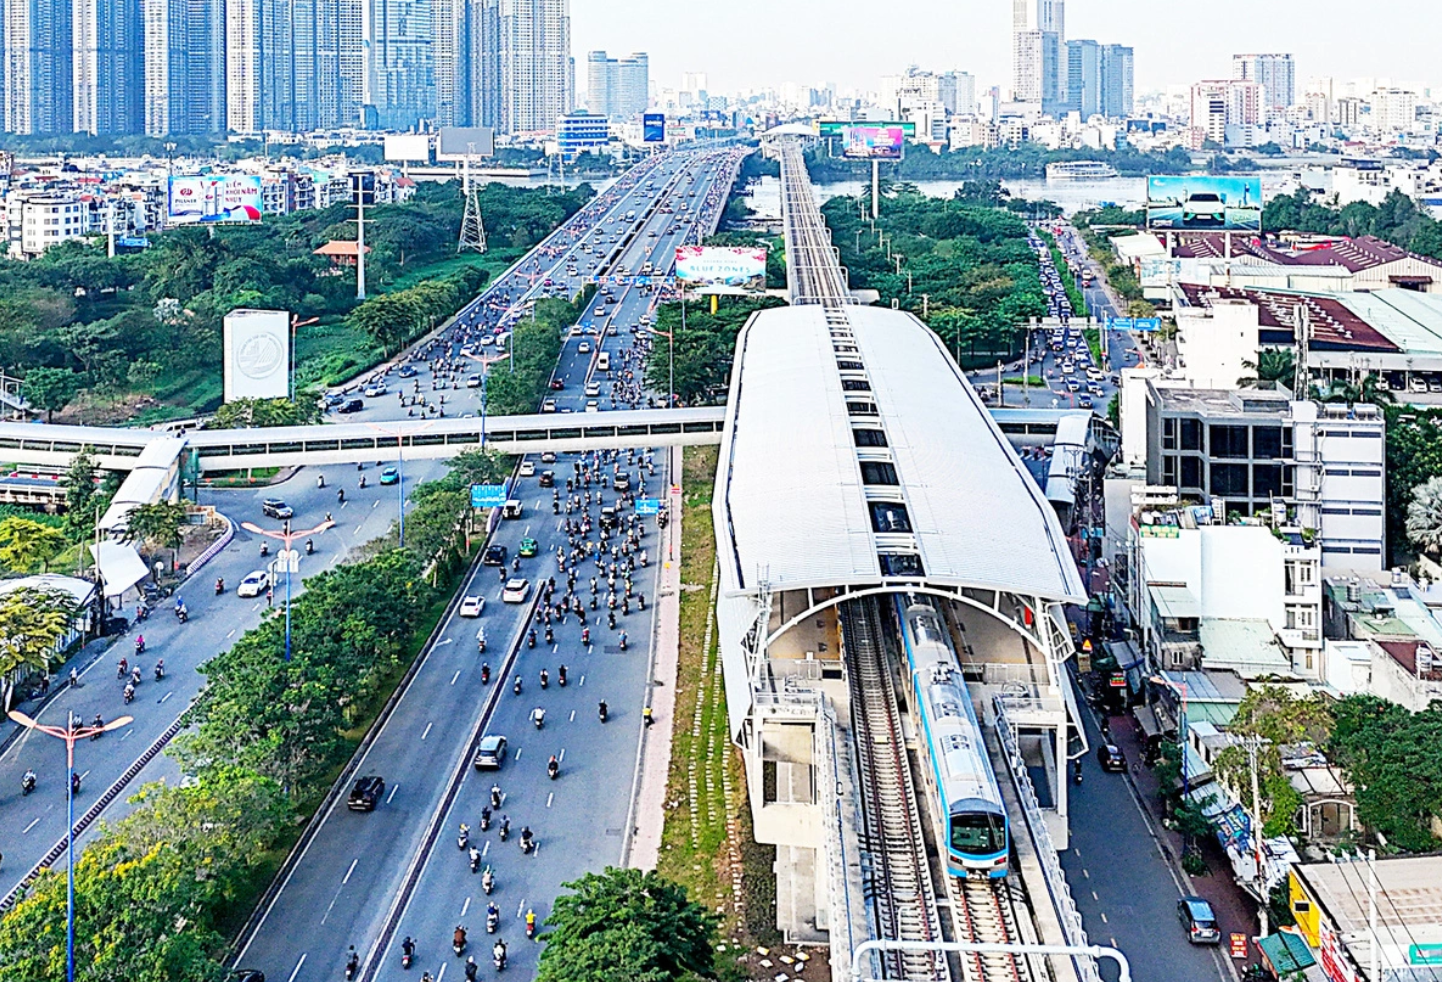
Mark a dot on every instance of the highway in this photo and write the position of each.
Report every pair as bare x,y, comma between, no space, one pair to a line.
364,877
36,823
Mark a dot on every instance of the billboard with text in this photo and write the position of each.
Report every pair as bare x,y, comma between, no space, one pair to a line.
214,198
719,269
1203,203
653,127
838,127
873,142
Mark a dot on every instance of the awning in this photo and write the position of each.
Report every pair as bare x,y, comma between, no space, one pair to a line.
1147,720
120,566
1286,953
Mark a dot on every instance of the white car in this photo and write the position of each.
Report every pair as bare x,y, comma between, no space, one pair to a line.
516,591
584,347
375,389
575,330
486,341
254,584
528,468
593,389
473,382
549,406
592,407
472,606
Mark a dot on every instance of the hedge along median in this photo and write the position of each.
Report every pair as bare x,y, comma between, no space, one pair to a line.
158,890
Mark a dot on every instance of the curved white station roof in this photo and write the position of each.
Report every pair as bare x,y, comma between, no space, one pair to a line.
791,504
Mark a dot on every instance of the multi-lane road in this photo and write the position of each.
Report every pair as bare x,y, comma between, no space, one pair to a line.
417,767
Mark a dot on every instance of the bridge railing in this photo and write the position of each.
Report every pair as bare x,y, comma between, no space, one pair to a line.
1057,886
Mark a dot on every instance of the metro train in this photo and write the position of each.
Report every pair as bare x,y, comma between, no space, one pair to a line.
976,833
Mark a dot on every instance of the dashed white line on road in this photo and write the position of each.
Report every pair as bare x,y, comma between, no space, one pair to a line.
521,909
1086,875
30,826
375,504
1094,896
1104,917
445,641
518,757
166,696
583,680
297,969
486,848
128,734
573,716
442,973
230,635
428,730
465,906
455,676
348,872
550,798
561,757
394,789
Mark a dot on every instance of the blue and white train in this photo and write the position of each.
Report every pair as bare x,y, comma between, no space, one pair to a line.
976,834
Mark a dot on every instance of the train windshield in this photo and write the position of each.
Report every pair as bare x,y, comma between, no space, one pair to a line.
978,834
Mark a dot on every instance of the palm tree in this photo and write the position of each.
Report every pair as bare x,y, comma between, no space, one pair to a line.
1424,516
26,543
905,187
156,526
1272,365
1368,389
32,623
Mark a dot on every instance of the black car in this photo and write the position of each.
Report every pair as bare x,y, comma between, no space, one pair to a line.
352,406
366,793
245,975
548,479
622,482
276,508
1112,758
495,556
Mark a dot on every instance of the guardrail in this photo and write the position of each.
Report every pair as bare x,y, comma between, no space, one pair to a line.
214,549
1066,909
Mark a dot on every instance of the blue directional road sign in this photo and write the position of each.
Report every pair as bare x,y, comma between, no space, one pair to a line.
488,495
648,506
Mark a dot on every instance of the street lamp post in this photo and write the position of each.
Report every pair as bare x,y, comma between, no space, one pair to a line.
485,371
71,732
399,434
287,537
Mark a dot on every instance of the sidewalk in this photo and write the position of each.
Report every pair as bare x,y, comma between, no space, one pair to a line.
1235,909
648,816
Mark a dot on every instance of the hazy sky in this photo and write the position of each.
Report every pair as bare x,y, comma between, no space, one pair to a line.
744,43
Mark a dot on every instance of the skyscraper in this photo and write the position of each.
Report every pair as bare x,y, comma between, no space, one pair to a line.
1038,57
292,65
402,63
449,19
1275,72
1083,78
484,54
39,77
107,60
1118,85
184,66
536,66
618,88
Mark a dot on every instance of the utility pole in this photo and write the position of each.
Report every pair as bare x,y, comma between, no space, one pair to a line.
473,230
1253,745
1372,909
875,189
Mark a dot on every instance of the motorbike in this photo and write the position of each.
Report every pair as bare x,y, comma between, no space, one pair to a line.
498,956
516,688
485,819
475,860
493,920
408,952
309,547
495,796
463,838
352,966
505,829
74,784
219,587
561,676
602,712
139,648
545,679
488,882
320,480
264,549
623,640
182,614
159,671
27,785
480,645
129,693
531,927
553,768
528,844
458,946
531,638
538,716
485,674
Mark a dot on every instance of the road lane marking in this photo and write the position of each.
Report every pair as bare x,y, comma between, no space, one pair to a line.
30,826
518,757
442,973
455,676
486,848
520,910
1104,917
573,716
1095,897
230,635
445,641
561,757
465,906
550,798
428,730
166,696
583,680
296,972
375,504
348,872
394,789
128,734
1086,874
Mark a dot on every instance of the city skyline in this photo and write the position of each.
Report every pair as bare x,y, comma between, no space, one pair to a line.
806,42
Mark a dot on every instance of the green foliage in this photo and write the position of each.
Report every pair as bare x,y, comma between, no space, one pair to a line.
1273,717
1414,455
626,924
26,544
244,413
1025,160
32,622
156,526
1390,756
518,384
704,347
1398,219
50,388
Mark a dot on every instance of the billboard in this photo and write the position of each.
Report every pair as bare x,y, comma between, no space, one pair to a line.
873,142
408,146
838,127
728,269
1202,203
193,199
653,127
257,354
456,142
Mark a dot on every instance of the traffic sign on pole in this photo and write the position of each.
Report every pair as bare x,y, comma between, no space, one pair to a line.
288,560
648,506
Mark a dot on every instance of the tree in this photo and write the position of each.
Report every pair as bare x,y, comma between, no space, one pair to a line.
1390,757
246,413
1272,365
32,623
1424,516
26,543
80,490
156,526
626,924
50,388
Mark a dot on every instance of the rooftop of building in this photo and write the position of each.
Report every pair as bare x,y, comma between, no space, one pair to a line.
1225,402
1409,902
1353,254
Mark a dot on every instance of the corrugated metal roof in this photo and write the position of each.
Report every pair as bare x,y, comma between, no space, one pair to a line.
794,500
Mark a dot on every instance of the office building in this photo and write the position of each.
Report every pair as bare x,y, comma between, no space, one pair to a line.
1118,88
537,72
1038,53
1083,78
449,19
402,60
483,47
184,66
619,88
582,132
293,67
39,75
1274,73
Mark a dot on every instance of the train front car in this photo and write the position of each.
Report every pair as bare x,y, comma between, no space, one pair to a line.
963,785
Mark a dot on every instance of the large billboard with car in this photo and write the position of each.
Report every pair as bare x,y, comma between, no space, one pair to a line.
718,269
193,199
1203,203
873,142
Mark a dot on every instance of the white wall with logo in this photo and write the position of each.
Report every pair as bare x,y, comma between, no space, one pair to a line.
257,354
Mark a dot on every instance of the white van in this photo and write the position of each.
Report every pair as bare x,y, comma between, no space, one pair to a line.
603,362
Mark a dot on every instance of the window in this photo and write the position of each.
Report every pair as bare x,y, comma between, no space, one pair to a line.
1229,441
869,438
1169,434
861,408
1169,470
1266,480
851,366
1191,476
855,385
889,516
1191,431
1230,480
878,472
